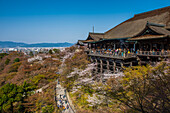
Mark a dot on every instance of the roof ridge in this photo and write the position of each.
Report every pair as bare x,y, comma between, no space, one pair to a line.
160,10
95,33
150,13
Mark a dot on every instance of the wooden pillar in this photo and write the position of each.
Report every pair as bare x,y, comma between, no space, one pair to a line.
91,46
96,71
139,61
131,64
107,64
114,46
139,46
121,64
134,46
104,45
114,67
150,46
162,45
91,59
101,66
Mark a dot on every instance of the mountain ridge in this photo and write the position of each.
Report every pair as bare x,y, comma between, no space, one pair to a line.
7,44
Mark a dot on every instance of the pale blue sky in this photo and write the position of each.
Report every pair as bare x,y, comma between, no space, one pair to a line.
33,21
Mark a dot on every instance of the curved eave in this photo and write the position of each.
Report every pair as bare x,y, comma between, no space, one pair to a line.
110,39
149,38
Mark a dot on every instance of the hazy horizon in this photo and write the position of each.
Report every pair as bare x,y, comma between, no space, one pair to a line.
33,42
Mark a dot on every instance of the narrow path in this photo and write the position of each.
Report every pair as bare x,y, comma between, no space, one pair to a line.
61,97
62,100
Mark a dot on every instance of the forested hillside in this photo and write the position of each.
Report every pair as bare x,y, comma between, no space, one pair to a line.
30,86
20,80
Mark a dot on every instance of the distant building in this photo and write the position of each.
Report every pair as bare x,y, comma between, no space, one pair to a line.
35,58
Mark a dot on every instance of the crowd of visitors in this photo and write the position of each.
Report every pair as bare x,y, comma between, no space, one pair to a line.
127,52
114,52
61,99
154,52
62,103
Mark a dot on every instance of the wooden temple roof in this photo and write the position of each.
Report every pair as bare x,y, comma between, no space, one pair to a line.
86,41
133,26
80,42
157,20
156,32
160,30
95,36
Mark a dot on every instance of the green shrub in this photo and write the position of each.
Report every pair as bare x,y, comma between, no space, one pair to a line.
48,109
2,55
7,61
16,60
56,50
37,78
50,51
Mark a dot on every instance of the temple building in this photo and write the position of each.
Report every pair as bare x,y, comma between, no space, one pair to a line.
140,40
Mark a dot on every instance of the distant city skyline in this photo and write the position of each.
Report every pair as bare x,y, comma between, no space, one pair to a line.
52,21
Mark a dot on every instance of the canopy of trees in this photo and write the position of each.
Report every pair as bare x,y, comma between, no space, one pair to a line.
2,55
7,61
143,89
17,60
56,50
18,96
11,96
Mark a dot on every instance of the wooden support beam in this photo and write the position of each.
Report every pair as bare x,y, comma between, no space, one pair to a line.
107,65
91,59
131,64
101,66
96,71
121,64
114,67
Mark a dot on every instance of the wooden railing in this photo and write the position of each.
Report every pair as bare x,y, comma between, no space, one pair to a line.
153,53
126,55
111,55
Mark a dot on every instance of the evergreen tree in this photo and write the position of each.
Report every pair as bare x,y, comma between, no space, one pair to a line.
56,50
17,60
11,93
50,51
7,61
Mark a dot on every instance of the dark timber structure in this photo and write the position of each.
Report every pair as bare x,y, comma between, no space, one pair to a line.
143,39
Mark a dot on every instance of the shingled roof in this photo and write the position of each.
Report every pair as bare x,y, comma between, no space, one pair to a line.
148,37
157,32
160,30
133,26
95,36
